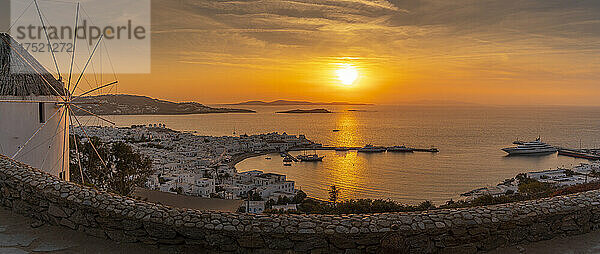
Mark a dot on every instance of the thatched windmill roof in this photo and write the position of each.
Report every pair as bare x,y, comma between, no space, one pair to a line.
21,74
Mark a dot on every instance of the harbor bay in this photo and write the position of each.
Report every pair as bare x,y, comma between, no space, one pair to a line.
469,139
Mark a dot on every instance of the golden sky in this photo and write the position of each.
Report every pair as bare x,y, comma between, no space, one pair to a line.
480,51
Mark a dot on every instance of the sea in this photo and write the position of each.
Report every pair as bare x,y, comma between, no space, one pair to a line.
469,138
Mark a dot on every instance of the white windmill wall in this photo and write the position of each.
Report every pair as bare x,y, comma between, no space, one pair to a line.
47,150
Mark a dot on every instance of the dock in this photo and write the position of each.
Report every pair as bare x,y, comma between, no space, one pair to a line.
590,154
429,150
288,155
353,148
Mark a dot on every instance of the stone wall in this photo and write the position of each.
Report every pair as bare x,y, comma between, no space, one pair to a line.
28,191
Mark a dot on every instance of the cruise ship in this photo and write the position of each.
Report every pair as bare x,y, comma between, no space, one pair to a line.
531,148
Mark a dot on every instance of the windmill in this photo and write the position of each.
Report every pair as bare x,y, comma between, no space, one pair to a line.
36,109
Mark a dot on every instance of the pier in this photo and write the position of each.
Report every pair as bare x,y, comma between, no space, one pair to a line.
288,155
590,154
350,148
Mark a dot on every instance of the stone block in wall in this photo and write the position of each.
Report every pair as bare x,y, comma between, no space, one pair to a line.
68,223
96,232
56,211
159,231
131,224
279,243
192,232
109,222
493,242
463,249
21,207
341,241
251,241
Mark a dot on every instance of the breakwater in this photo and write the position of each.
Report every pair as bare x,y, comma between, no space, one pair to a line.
31,192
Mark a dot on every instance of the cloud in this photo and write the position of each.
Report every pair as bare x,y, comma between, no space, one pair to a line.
451,35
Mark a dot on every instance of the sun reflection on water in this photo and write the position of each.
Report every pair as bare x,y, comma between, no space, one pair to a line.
349,135
347,167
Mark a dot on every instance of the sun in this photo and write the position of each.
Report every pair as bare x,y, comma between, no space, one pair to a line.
347,74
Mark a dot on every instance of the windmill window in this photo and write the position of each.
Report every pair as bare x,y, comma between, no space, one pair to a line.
41,112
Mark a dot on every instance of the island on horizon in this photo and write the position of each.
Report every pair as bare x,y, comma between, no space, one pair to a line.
306,111
126,104
293,103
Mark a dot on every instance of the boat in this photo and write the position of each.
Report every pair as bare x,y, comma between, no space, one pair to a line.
335,130
433,150
531,148
310,157
402,149
268,158
372,149
287,159
578,154
287,164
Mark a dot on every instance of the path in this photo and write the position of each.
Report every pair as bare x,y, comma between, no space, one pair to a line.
579,244
17,236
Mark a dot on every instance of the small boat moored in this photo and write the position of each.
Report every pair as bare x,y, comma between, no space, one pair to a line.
402,149
372,149
310,157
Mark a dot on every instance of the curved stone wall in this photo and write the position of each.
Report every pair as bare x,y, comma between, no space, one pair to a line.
31,192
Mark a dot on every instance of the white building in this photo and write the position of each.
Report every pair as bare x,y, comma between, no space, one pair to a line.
29,99
255,206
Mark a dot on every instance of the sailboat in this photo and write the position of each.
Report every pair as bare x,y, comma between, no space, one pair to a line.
310,157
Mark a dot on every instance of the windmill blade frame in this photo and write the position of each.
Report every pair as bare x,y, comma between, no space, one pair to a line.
64,103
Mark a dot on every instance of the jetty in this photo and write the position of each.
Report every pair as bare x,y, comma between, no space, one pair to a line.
345,148
590,154
430,150
288,155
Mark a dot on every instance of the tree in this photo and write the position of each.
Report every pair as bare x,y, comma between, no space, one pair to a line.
300,196
535,187
120,170
334,193
425,205
94,171
283,200
131,169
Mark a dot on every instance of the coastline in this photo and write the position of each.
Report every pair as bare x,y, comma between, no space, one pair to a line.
239,158
174,114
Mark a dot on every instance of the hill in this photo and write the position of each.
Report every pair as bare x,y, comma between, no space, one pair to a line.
306,111
291,103
123,104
